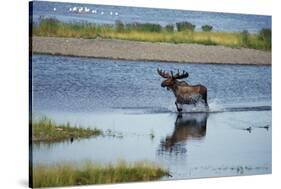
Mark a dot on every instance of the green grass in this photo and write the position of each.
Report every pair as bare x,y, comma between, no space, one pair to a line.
89,173
147,32
45,130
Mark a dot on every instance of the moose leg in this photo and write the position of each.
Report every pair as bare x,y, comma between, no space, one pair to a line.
178,108
205,99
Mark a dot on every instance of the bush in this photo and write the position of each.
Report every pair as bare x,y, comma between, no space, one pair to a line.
265,36
185,26
49,25
207,28
169,28
244,38
119,26
144,27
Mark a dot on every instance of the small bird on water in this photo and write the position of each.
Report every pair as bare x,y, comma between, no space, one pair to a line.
249,129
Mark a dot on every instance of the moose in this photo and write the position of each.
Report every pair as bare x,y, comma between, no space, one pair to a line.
184,93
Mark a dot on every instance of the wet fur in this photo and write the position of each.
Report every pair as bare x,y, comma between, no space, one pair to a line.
185,93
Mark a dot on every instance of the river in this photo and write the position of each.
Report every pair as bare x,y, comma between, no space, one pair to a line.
125,100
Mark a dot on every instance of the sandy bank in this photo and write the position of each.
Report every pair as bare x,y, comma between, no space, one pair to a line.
132,50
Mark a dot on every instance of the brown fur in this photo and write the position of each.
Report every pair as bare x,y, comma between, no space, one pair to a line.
184,93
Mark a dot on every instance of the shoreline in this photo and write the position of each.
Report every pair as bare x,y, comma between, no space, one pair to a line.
149,51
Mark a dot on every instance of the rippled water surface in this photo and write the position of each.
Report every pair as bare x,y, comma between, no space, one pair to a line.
125,99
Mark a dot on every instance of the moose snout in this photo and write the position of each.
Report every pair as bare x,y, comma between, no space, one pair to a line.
162,85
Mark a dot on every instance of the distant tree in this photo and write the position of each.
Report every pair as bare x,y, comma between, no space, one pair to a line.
245,42
207,28
265,35
169,28
185,26
144,27
120,27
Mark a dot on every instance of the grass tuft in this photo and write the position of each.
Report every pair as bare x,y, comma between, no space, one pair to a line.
45,130
89,173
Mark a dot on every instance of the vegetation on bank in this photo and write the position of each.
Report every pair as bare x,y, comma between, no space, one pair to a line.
89,173
207,28
45,130
181,32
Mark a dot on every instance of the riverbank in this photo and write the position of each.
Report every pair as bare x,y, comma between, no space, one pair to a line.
149,51
178,33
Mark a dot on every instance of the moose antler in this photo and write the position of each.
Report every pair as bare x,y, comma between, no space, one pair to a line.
182,75
178,75
163,73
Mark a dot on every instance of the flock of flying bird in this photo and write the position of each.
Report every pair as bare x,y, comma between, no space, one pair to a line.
82,10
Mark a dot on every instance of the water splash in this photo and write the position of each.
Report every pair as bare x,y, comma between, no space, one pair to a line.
214,106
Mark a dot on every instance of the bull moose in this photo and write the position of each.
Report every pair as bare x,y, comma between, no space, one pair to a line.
184,93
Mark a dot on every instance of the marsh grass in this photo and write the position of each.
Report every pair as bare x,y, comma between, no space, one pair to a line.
148,32
89,173
45,130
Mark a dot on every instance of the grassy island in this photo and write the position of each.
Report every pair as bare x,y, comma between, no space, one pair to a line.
182,32
89,173
45,130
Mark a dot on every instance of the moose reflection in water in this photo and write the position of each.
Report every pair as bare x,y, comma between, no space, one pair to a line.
188,126
184,93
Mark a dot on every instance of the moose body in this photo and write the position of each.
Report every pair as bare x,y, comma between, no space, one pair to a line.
184,93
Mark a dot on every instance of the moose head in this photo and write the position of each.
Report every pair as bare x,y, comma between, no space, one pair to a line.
170,78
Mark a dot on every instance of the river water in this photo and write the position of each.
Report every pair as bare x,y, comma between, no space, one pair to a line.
105,14
126,101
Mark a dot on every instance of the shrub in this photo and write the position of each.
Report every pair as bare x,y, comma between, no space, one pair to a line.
244,38
185,26
119,26
169,28
144,27
49,25
207,28
265,36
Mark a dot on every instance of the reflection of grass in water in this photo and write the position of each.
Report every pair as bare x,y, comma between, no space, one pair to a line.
89,173
46,130
51,27
152,135
114,134
239,170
